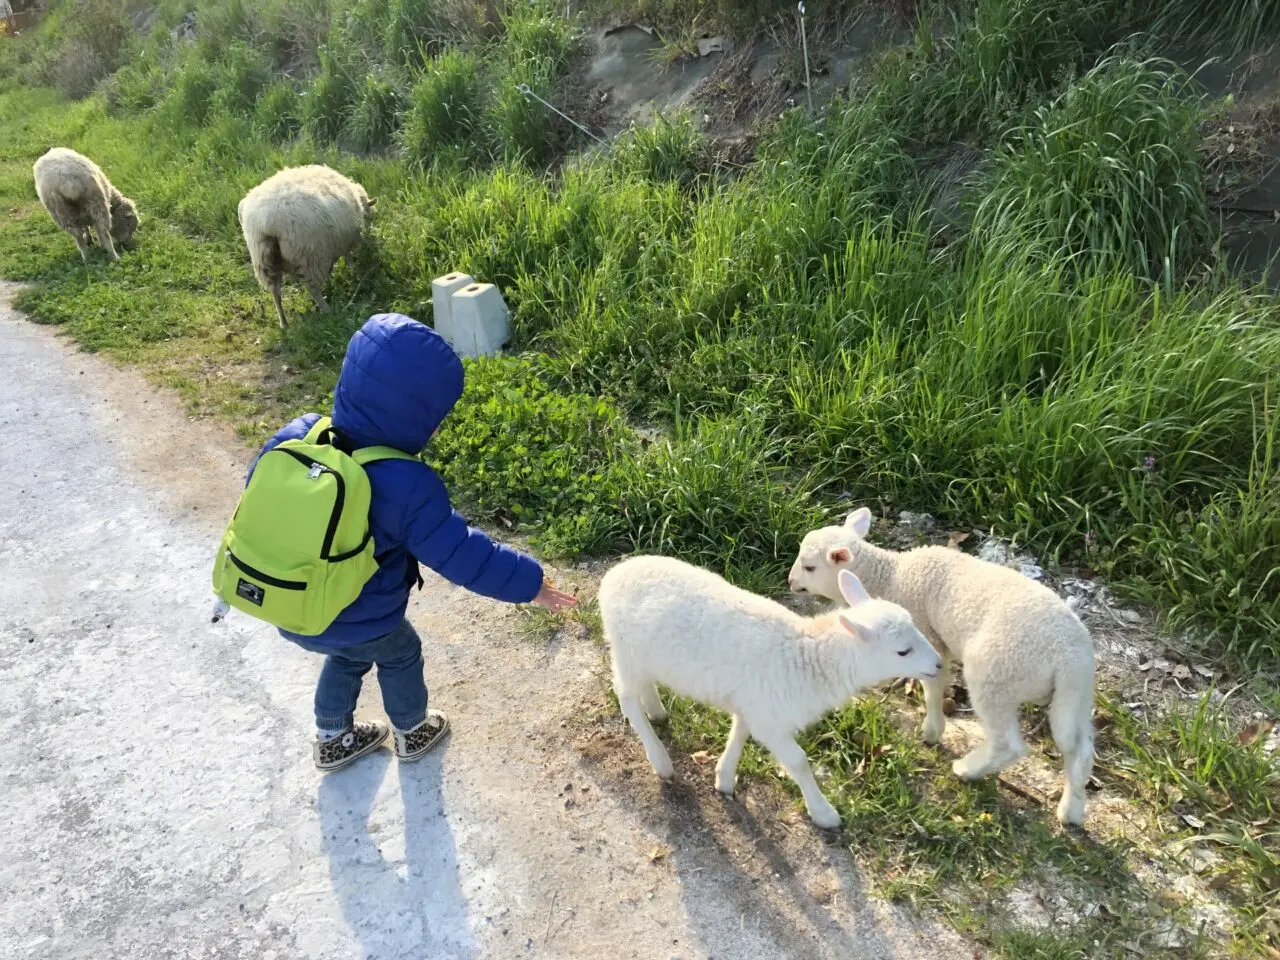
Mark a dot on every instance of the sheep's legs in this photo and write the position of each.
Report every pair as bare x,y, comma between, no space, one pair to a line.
317,294
1003,745
788,753
275,295
81,236
102,227
935,691
652,702
727,765
633,710
1071,720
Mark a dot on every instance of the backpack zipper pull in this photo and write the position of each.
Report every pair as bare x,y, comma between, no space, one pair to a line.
315,471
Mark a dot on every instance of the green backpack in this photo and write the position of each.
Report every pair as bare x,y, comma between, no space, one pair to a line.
298,549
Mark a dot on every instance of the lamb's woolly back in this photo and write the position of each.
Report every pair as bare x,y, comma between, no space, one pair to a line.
684,627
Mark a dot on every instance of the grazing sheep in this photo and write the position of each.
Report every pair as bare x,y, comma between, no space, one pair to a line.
299,222
1017,641
777,672
79,196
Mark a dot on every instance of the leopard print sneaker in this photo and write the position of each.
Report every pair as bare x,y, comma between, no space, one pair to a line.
355,742
412,744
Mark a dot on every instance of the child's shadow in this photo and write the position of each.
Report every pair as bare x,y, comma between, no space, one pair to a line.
410,908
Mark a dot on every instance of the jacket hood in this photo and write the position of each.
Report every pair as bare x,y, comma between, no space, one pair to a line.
399,380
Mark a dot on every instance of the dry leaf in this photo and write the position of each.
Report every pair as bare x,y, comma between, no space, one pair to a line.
1205,672
957,537
658,853
1221,881
700,757
1252,731
1195,823
1182,672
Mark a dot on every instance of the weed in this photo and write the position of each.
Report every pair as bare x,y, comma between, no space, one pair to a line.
665,150
278,113
445,107
375,119
1108,174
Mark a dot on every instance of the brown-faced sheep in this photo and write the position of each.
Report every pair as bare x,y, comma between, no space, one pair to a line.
299,222
78,196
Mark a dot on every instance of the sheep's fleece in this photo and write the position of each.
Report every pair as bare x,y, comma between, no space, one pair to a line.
1017,641
777,672
299,222
79,197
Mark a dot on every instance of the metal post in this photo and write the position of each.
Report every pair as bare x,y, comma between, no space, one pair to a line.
804,45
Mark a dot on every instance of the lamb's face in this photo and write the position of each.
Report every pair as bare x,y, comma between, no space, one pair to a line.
824,553
124,223
813,572
886,644
893,647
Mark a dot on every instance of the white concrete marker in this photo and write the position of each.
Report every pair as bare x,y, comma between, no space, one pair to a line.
442,290
481,322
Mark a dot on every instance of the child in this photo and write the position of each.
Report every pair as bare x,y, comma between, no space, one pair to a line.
399,380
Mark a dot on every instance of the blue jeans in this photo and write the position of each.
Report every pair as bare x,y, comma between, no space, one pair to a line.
399,659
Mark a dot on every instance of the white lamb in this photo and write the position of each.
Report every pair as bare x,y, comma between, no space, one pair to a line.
1017,641
775,671
79,196
299,222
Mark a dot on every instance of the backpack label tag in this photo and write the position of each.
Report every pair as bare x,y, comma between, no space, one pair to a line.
251,592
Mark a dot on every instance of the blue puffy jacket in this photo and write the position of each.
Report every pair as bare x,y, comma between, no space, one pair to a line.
399,380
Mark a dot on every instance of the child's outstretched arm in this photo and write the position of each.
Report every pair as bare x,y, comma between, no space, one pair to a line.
440,538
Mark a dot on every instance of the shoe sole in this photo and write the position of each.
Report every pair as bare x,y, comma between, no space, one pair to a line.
435,742
370,746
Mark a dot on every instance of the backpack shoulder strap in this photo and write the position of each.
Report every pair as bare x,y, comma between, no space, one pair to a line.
367,455
315,434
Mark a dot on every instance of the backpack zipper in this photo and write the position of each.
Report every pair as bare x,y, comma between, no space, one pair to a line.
266,578
331,531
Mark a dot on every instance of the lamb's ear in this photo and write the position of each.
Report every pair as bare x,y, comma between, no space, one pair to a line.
857,629
373,202
851,588
859,522
838,555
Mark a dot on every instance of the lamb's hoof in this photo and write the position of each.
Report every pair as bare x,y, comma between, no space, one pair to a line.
931,732
726,788
1071,813
963,770
665,770
825,817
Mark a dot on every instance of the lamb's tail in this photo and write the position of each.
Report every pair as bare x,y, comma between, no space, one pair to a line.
1071,720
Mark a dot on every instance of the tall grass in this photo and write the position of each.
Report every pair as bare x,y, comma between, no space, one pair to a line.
1108,173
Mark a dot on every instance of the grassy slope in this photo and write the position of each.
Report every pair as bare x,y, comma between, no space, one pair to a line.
794,333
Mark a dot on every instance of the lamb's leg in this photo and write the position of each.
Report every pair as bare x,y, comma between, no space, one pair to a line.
1071,720
633,710
793,760
81,236
1003,745
727,765
102,227
316,289
652,702
275,295
935,691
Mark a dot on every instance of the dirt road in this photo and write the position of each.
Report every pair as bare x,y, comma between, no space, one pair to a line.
155,778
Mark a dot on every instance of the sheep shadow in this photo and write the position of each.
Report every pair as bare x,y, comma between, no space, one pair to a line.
409,907
756,878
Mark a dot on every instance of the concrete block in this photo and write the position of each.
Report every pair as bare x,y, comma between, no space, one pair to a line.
442,291
481,322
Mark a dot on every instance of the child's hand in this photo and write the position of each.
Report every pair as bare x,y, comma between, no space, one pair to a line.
553,600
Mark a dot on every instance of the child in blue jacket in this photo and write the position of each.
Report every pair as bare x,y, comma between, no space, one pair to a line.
399,380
